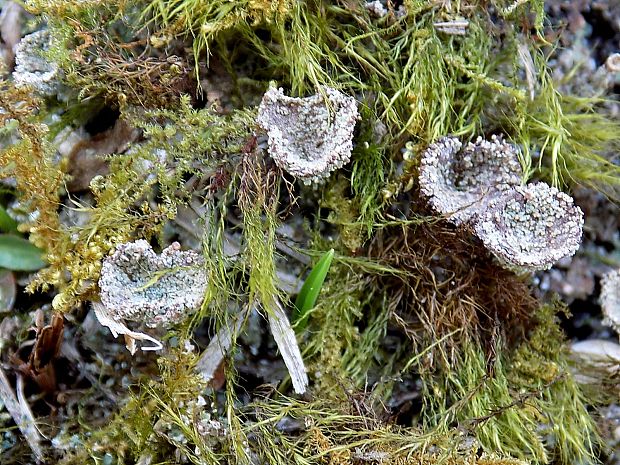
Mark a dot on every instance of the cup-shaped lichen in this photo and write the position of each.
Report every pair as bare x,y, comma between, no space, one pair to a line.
309,137
460,182
158,290
531,227
610,298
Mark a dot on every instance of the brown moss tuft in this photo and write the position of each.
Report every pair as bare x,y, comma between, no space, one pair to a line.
105,51
451,289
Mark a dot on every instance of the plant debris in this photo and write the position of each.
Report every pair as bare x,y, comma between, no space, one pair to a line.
610,299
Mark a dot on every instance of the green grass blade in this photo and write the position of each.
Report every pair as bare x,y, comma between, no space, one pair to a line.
18,254
311,289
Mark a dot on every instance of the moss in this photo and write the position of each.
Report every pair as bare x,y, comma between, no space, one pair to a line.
455,85
185,142
145,188
190,142
30,160
258,201
490,366
538,363
153,422
524,404
370,170
155,426
332,326
344,340
344,214
417,80
39,179
345,433
204,22
368,358
568,139
447,288
106,52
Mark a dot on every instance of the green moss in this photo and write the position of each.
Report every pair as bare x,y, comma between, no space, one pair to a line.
568,139
258,194
524,404
417,80
203,22
346,432
332,326
153,424
464,317
185,142
39,180
346,330
370,171
344,213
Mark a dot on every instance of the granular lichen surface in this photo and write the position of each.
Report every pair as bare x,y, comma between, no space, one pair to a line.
157,290
531,227
309,137
459,181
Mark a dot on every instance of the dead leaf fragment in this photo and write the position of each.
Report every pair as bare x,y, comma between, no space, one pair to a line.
117,328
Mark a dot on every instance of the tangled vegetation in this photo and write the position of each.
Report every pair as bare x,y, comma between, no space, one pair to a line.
411,303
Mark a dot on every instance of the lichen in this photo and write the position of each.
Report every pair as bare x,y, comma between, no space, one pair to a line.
309,137
527,228
157,290
32,68
531,227
460,182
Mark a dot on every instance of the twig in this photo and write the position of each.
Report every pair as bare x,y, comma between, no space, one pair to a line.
219,346
518,402
21,414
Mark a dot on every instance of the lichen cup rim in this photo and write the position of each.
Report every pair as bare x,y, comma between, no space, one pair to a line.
460,179
307,137
531,227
